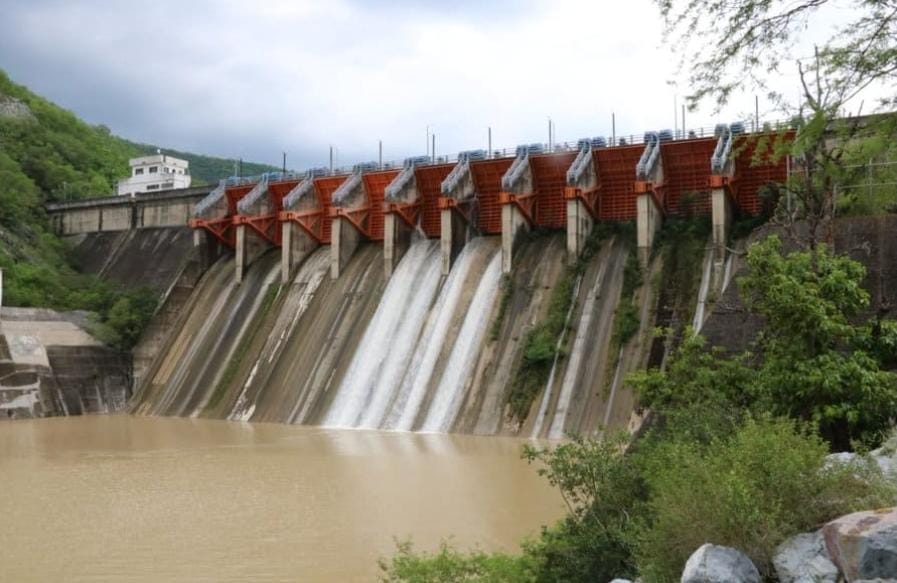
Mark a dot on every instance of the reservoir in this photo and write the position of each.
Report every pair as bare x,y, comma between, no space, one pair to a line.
130,498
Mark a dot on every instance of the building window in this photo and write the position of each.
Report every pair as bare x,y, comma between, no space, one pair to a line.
152,187
153,169
138,171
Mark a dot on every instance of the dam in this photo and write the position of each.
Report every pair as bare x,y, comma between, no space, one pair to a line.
480,294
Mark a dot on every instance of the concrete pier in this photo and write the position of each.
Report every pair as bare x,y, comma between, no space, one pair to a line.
302,224
345,239
582,185
648,221
396,241
249,243
579,226
456,232
513,227
649,179
518,192
457,208
722,220
404,209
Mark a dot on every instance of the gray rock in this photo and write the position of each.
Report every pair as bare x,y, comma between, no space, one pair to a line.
621,581
842,457
864,544
716,564
804,559
11,107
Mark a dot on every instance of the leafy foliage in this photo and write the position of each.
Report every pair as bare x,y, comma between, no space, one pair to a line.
602,490
541,347
817,364
49,155
812,361
448,565
751,491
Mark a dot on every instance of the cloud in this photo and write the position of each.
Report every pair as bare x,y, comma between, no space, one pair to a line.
234,78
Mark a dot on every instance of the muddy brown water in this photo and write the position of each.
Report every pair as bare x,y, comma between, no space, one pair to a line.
127,498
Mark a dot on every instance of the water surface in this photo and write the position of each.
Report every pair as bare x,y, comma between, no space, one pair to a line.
122,498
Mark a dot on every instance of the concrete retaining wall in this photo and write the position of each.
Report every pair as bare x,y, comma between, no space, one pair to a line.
171,208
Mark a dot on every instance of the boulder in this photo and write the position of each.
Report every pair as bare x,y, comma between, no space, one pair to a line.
621,581
804,559
864,544
716,564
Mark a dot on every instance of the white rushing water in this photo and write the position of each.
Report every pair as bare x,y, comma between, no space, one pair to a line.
459,368
420,371
422,344
386,347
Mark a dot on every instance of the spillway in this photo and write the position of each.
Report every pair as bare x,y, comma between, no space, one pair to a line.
412,364
419,351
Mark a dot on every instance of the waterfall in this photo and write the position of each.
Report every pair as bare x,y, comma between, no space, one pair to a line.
459,369
417,379
386,346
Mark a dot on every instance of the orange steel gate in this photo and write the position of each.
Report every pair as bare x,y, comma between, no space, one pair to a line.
686,173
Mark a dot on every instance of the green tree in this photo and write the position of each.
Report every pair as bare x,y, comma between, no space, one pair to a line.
743,41
603,491
817,364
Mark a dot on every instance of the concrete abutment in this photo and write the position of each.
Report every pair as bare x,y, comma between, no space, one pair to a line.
345,239
648,221
579,226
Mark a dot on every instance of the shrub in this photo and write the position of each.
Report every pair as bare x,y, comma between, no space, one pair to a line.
603,491
751,491
448,565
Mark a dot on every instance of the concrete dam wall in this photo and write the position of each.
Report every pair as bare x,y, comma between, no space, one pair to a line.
481,295
421,351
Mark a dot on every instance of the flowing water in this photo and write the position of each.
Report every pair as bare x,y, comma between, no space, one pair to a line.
123,498
421,351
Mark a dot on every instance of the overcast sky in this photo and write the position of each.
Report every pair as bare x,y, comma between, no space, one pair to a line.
236,78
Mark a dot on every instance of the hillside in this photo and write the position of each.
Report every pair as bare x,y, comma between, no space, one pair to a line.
47,154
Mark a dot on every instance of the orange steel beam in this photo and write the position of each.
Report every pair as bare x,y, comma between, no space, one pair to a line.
462,207
355,216
221,229
589,198
656,190
309,221
265,226
408,212
525,202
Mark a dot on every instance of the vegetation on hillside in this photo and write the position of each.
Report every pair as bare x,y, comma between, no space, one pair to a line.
47,155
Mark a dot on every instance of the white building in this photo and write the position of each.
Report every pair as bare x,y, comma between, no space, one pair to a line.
152,173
